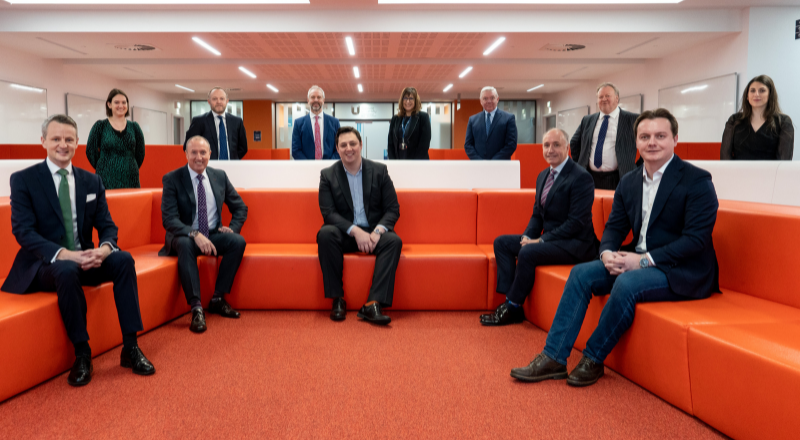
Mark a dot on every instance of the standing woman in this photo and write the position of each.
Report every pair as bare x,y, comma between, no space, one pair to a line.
759,131
410,129
116,146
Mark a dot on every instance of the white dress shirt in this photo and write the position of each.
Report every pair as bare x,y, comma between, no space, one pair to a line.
225,126
649,191
211,202
609,144
321,130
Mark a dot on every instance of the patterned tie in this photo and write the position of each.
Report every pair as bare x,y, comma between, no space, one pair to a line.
601,137
548,185
202,207
488,123
223,139
317,140
66,210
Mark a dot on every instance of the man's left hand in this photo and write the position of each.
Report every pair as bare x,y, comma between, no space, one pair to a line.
630,261
225,230
97,256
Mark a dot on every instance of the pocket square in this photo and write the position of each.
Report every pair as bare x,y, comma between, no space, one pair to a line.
90,197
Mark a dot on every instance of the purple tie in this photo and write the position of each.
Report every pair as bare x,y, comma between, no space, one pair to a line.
547,185
202,207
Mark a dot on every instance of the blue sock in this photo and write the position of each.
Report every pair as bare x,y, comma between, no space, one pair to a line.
512,304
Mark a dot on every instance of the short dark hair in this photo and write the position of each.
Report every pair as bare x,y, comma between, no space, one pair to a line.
111,95
654,114
61,119
345,130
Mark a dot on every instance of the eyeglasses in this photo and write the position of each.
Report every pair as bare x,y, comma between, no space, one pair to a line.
409,98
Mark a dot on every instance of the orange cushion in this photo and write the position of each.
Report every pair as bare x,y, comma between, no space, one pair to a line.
10,246
437,216
503,212
531,163
131,211
281,216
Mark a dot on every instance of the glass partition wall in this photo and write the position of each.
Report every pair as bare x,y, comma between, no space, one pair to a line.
525,113
197,108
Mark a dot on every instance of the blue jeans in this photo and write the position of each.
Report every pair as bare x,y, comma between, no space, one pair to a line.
644,285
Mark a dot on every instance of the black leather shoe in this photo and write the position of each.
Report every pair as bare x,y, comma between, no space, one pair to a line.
586,373
81,372
134,359
222,308
372,313
339,311
504,315
198,321
541,368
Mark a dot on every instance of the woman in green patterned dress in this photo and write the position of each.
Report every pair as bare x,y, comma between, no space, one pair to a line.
116,146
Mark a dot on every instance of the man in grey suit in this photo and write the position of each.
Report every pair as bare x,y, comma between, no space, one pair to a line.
492,133
604,143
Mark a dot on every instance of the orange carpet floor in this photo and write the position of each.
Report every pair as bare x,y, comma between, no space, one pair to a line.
298,375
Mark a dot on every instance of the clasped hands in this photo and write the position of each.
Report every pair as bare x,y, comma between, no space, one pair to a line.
366,241
88,259
205,245
618,263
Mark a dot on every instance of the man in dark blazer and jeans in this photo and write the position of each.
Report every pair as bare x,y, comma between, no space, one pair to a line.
559,232
359,206
224,132
492,133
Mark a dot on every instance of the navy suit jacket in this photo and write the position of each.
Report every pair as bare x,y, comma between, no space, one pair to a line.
38,225
303,138
566,217
501,141
679,232
203,125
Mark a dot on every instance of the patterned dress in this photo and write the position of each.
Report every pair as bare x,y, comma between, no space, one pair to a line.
116,155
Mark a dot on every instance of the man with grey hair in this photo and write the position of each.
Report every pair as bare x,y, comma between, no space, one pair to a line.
559,232
492,133
607,149
314,135
224,132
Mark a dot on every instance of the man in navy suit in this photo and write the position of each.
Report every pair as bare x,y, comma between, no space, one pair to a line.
671,207
314,135
54,207
492,133
559,232
223,131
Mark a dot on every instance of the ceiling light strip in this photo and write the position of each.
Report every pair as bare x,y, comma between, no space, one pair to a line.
360,88
350,48
537,87
184,88
449,86
206,46
271,87
249,73
356,72
494,45
465,72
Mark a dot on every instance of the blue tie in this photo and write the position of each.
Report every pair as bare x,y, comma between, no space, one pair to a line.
223,140
601,137
488,123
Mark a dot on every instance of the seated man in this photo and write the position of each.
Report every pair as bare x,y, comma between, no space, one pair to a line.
356,195
191,211
559,232
671,207
54,207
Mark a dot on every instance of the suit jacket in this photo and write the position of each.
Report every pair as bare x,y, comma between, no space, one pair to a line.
679,233
380,198
38,225
179,204
203,125
625,147
566,217
499,143
417,137
303,138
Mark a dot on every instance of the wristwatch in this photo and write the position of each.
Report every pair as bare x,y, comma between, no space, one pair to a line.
194,233
644,263
378,231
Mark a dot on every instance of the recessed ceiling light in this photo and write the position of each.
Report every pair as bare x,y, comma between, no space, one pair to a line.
350,47
528,2
465,72
494,45
184,88
26,88
356,72
271,87
156,2
206,46
360,89
537,87
249,73
449,86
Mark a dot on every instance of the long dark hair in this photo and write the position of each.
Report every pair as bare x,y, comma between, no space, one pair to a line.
111,95
772,110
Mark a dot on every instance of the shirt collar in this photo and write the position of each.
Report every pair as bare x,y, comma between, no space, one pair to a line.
54,168
218,114
194,174
613,115
491,112
360,166
560,167
657,175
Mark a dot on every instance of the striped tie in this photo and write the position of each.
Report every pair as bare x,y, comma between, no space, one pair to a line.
317,140
548,185
202,207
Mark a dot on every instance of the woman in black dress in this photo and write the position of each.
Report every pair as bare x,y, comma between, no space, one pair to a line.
410,129
759,131
116,146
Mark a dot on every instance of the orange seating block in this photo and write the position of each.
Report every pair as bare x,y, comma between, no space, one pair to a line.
702,150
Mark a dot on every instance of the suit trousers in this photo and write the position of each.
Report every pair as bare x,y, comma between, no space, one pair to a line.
516,264
332,244
605,179
66,278
229,246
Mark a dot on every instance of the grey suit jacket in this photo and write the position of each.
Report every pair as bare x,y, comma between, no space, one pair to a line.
581,143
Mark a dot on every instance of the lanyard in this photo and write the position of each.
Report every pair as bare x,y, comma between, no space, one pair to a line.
404,124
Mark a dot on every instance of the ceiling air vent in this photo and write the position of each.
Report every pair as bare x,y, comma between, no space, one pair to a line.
563,47
135,47
234,89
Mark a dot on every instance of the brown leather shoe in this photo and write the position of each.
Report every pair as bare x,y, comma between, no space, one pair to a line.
586,373
541,368
504,315
198,321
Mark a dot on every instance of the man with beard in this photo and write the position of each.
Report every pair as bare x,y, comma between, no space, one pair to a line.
223,131
314,135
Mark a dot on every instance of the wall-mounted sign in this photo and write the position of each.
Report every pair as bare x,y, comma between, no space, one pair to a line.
256,136
363,111
797,30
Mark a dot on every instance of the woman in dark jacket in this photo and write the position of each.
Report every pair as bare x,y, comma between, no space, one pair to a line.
759,131
410,129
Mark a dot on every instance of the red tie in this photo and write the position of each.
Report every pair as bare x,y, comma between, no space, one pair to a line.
317,140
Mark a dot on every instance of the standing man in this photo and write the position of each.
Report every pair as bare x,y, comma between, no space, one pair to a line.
608,148
191,211
54,207
492,133
309,139
224,132
359,206
560,230
671,207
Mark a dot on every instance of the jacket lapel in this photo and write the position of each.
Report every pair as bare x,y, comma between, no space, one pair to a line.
637,196
494,123
366,181
672,175
46,180
338,169
412,125
213,129
80,202
218,189
586,142
559,181
621,117
186,180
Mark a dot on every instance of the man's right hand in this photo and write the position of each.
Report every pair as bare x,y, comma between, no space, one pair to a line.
362,239
86,259
205,245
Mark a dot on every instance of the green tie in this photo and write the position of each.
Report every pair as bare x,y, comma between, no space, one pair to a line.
66,210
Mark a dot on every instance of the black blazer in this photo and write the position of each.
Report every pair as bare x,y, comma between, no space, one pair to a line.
566,217
739,141
179,203
380,198
38,225
679,233
499,143
203,125
418,137
625,147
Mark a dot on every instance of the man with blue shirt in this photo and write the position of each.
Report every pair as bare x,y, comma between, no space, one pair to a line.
314,135
492,133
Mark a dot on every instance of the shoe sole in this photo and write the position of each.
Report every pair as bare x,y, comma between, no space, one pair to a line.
81,384
497,324
555,376
129,365
365,318
198,331
338,319
574,383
